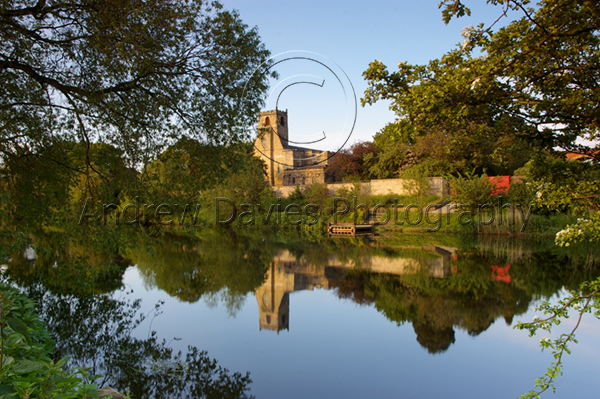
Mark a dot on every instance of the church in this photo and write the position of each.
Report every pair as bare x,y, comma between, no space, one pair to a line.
287,165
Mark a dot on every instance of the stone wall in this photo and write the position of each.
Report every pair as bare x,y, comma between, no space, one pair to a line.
437,186
304,176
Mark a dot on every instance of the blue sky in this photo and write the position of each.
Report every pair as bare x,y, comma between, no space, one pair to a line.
351,34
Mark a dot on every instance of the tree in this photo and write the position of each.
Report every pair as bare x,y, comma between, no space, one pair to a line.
561,185
536,80
134,73
189,167
97,332
548,63
93,91
533,81
395,151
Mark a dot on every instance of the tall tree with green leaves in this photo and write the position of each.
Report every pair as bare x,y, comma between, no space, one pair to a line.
533,81
136,75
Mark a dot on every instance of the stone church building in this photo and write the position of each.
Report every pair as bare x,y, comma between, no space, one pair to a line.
287,165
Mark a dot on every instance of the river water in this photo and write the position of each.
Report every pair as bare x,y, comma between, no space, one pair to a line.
328,319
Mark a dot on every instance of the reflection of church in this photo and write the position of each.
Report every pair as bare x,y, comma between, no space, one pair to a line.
286,274
287,165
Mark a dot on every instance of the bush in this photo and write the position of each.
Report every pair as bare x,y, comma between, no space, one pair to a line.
361,191
26,368
419,179
296,195
316,193
471,189
343,192
520,193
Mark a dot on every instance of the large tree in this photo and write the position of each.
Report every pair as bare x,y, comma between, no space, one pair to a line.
134,73
92,90
534,80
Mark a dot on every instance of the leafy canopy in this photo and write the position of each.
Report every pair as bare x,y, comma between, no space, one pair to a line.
134,73
534,80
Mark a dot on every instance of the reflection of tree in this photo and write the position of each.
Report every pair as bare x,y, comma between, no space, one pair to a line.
470,298
95,331
61,260
433,338
225,265
221,266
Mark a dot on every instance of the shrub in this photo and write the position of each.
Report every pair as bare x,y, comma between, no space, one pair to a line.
26,368
418,175
471,189
316,193
520,193
296,195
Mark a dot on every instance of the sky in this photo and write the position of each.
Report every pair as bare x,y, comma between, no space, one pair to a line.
334,42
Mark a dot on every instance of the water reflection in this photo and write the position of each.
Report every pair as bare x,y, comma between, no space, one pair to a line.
95,331
286,274
437,288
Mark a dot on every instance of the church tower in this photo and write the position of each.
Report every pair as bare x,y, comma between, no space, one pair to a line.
275,123
271,143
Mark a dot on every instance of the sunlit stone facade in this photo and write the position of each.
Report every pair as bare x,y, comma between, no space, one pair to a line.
287,165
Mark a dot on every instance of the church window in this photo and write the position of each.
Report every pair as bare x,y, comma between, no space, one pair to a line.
267,121
282,121
293,180
268,319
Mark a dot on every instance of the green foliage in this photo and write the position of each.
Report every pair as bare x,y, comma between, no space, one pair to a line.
95,92
499,94
90,255
361,191
316,193
565,185
395,151
248,185
543,63
454,150
26,367
418,177
521,193
559,186
471,189
443,121
453,9
128,73
96,331
296,195
471,296
524,171
215,267
586,300
584,230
